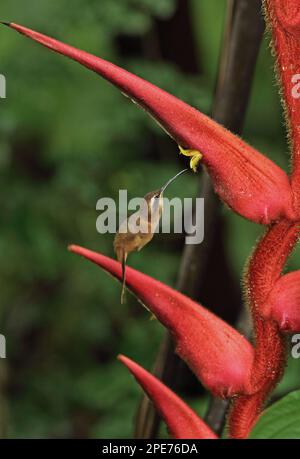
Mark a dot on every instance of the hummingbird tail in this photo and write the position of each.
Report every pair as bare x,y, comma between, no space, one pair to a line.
123,277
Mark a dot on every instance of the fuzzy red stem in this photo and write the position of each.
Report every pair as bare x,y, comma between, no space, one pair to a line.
265,268
284,19
271,253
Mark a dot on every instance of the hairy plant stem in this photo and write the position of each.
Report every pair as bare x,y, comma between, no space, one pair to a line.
242,38
265,268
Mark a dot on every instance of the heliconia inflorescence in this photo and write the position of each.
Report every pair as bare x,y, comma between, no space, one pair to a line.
249,182
256,188
284,20
182,422
199,334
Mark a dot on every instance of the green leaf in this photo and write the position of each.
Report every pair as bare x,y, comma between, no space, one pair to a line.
281,420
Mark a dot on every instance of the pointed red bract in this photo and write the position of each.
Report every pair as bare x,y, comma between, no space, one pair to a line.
283,304
247,181
216,353
181,420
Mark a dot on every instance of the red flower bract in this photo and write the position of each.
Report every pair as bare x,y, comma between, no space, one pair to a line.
182,421
283,304
288,14
284,18
253,186
220,357
246,180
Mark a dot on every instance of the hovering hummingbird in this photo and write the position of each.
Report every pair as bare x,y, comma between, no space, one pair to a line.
127,241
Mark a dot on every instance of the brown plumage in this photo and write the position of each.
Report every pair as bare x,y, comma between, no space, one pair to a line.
129,239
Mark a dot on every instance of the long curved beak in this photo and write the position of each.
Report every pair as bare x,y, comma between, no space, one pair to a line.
172,180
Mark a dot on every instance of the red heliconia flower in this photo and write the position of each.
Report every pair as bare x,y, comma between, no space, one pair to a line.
283,304
288,14
256,188
284,18
246,180
181,420
264,270
220,357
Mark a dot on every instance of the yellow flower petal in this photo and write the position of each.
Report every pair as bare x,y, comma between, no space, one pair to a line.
195,156
194,163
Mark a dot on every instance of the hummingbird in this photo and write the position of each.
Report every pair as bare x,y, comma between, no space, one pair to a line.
147,218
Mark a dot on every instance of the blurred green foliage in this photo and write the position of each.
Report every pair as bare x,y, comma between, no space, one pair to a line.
68,138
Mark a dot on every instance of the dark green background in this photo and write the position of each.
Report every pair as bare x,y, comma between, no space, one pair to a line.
68,138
